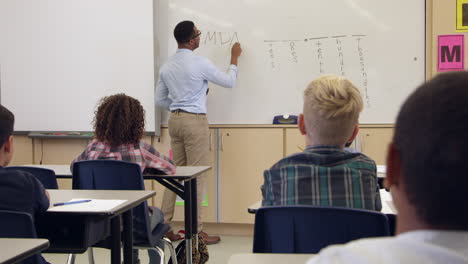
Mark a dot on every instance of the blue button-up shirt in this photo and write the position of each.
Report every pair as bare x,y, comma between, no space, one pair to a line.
183,81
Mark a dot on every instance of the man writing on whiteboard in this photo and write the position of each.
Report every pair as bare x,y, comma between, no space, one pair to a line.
182,89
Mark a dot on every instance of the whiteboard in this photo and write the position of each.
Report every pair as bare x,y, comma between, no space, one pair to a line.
59,57
379,45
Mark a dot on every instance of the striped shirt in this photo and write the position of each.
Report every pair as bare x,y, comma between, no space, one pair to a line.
142,153
323,176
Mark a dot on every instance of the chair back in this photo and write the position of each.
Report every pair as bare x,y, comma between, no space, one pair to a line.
45,176
308,229
115,175
19,225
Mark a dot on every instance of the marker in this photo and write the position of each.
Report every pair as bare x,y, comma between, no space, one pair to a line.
72,202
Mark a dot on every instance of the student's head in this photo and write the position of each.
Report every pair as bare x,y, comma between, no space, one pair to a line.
187,35
7,120
427,160
331,111
119,119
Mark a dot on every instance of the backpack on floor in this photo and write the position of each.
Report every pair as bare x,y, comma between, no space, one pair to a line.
199,256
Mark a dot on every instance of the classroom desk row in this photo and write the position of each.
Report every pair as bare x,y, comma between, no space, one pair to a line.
183,183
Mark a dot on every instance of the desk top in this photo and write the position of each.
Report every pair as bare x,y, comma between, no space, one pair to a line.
182,172
133,199
262,258
387,204
13,250
381,171
60,170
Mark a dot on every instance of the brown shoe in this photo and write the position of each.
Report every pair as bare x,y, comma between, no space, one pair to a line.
173,237
209,240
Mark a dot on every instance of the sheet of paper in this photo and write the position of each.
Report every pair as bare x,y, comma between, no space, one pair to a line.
381,169
387,202
95,205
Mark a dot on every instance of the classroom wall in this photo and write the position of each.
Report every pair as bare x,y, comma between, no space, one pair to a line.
443,22
440,19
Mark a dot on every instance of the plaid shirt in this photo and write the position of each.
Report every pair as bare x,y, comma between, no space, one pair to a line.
323,176
143,154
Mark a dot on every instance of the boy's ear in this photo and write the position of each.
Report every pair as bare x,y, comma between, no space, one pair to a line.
392,177
8,146
354,134
301,125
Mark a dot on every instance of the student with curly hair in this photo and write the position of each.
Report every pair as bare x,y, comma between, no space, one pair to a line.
119,124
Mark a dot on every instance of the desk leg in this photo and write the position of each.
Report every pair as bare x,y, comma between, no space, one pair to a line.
188,220
128,236
194,211
115,234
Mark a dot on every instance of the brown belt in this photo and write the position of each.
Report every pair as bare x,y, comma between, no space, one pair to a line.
183,111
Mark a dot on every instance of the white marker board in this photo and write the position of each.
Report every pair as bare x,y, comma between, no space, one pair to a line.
59,57
379,45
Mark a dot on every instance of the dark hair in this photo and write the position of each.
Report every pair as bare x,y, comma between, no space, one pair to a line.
431,137
119,119
183,32
7,120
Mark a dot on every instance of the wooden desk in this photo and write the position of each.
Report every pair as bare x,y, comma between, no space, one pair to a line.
14,250
79,234
387,204
263,258
187,190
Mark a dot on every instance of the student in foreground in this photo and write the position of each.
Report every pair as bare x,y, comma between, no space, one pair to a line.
19,191
325,174
119,125
426,174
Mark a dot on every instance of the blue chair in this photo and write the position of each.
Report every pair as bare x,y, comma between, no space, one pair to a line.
45,176
121,175
308,229
19,225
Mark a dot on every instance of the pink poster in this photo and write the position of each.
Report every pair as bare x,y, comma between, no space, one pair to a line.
451,53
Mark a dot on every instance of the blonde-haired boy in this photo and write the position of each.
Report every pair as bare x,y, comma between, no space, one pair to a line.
325,174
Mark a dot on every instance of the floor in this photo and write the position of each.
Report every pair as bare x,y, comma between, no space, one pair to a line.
219,253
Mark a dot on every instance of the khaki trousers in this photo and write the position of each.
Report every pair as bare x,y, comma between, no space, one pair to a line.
190,147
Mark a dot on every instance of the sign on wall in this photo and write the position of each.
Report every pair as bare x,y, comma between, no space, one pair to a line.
462,15
451,53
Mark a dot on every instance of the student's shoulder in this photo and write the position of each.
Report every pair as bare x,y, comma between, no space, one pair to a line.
18,177
365,161
147,147
293,159
365,251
